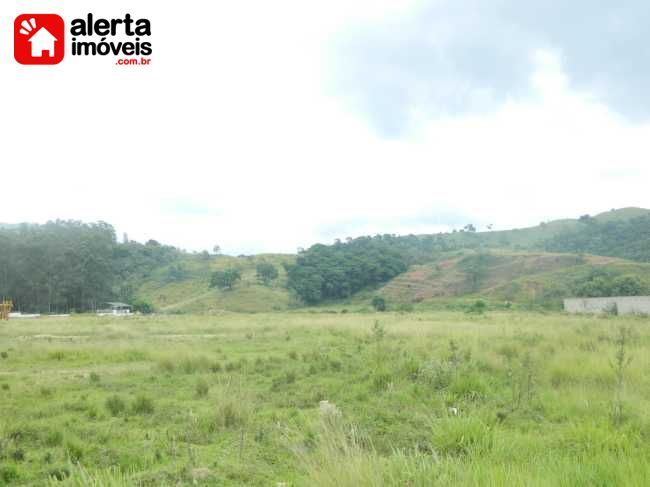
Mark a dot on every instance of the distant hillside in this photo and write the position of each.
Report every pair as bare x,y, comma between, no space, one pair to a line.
538,237
65,266
325,273
520,277
183,287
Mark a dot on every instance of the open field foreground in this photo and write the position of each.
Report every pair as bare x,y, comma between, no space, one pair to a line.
415,399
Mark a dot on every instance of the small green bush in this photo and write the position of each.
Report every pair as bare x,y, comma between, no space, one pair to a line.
57,355
231,413
437,374
59,474
115,405
166,365
143,405
54,438
4,355
478,307
202,388
74,450
94,377
379,303
457,436
18,455
9,474
381,380
142,306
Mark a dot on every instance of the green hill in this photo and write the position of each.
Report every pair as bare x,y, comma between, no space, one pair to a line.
536,238
183,287
536,265
532,278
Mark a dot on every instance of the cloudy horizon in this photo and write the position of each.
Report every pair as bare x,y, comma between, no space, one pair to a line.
271,128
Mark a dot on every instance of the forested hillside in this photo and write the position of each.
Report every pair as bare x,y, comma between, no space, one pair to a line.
338,271
627,239
68,265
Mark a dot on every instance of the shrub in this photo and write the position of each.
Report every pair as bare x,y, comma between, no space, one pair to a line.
94,377
336,365
115,405
5,387
379,303
4,355
45,391
228,415
202,388
142,306
54,438
381,380
478,307
74,450
231,366
215,367
143,405
56,355
92,412
436,374
18,455
468,386
456,436
59,474
9,474
166,365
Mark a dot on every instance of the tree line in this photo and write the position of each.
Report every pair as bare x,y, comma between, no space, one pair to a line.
65,266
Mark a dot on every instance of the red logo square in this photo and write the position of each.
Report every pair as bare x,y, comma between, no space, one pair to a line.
39,39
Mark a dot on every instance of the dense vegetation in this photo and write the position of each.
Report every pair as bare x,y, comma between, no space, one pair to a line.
414,399
64,265
627,239
68,265
337,271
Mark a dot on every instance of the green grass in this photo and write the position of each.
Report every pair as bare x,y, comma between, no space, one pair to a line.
430,398
191,293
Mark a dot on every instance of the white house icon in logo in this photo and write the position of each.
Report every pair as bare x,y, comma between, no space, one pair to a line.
42,41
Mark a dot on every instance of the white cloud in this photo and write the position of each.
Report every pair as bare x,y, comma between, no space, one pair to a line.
232,137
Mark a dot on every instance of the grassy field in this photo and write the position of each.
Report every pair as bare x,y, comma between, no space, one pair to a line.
417,399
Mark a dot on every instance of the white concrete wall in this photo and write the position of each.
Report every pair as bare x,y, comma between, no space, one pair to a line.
625,305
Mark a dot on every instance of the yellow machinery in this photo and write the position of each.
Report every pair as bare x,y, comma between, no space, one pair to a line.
5,309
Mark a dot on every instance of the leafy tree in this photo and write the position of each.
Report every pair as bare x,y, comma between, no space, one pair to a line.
605,282
216,250
337,271
469,227
266,272
225,279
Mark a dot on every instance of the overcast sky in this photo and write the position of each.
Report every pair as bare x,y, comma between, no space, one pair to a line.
267,126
